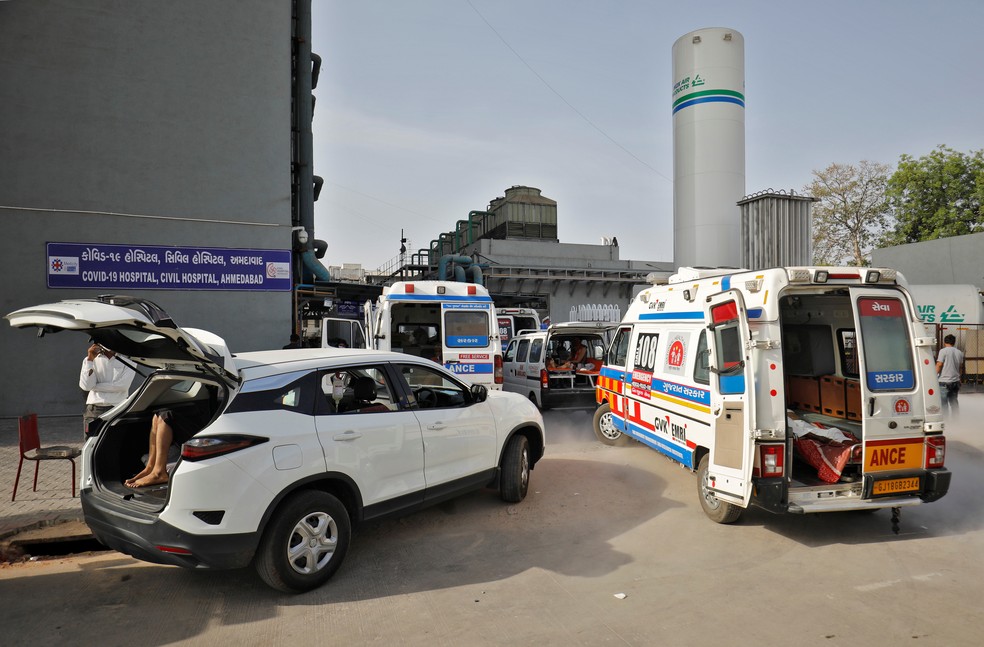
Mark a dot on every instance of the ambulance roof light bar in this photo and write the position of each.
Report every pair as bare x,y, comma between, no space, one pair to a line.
882,275
798,275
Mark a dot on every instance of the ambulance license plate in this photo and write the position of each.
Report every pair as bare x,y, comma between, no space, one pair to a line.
895,486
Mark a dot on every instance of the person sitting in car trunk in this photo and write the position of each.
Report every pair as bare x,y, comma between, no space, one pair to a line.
168,427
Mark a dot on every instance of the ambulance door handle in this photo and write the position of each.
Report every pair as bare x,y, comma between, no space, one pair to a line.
717,410
871,407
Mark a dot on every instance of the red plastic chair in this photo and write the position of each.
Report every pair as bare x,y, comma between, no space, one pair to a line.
31,449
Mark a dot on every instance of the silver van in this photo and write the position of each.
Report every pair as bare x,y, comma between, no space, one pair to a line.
557,367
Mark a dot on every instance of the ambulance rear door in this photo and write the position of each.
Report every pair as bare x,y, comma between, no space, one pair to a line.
372,324
732,397
892,407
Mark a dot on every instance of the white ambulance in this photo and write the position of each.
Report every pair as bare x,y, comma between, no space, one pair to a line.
801,389
451,323
516,320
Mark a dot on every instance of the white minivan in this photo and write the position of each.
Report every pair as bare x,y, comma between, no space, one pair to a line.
547,367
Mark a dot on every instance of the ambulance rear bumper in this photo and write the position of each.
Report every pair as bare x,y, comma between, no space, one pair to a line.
937,485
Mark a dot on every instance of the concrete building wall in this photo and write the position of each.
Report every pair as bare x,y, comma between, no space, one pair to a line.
141,122
955,260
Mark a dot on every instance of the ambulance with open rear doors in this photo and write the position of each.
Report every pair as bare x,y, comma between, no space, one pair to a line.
800,389
450,322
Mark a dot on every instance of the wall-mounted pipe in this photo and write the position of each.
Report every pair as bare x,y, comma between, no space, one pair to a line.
465,269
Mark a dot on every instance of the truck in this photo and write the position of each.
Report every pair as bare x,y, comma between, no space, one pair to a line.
797,389
956,310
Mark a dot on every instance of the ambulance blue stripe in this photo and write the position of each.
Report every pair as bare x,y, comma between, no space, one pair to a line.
662,316
613,373
681,391
437,297
683,455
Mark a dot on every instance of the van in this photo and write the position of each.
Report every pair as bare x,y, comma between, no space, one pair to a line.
451,323
800,389
514,320
543,365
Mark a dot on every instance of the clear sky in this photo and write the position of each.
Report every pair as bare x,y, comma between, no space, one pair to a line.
429,109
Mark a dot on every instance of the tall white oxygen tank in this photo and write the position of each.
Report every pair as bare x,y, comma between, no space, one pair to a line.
708,147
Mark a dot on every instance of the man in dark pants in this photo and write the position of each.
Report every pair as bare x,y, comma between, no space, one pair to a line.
949,365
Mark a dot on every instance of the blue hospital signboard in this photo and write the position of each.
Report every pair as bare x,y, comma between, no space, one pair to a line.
147,267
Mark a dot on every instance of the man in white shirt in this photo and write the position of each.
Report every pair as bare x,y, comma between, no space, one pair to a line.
107,380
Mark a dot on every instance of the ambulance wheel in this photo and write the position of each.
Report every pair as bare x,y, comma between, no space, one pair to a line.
605,429
717,510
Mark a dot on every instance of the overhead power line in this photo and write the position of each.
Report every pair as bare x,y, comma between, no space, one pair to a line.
561,97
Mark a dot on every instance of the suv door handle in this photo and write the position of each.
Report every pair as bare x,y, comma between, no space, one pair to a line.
348,435
437,426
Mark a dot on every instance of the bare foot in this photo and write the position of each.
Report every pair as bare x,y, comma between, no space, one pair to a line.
151,479
139,475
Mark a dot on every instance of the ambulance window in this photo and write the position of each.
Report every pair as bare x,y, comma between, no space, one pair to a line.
526,323
619,349
847,342
524,349
729,346
466,328
536,349
886,345
702,365
510,352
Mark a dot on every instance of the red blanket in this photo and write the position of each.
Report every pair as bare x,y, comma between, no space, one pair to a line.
828,449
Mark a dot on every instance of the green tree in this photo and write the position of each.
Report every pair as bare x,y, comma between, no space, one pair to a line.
936,196
851,214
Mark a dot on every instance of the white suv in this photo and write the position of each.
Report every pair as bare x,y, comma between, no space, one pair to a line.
295,445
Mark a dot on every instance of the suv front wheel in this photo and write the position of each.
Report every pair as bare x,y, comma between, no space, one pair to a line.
514,479
304,542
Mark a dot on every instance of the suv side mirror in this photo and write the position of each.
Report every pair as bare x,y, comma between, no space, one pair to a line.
479,393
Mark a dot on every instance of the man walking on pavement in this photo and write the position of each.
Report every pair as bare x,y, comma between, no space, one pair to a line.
107,380
949,364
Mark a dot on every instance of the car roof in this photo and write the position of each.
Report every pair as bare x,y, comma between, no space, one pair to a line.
268,362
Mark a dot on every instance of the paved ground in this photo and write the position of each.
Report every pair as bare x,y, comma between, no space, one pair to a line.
609,548
53,501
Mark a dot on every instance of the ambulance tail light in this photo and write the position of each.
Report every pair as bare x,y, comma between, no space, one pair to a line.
472,291
544,379
497,368
935,451
408,288
771,459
